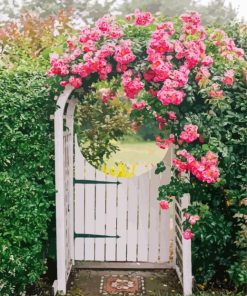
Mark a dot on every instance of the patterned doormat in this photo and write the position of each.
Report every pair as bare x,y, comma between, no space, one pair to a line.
124,285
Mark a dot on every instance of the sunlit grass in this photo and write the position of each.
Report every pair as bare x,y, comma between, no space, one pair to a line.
144,154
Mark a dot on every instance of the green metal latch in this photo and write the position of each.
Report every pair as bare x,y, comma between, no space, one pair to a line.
86,235
76,181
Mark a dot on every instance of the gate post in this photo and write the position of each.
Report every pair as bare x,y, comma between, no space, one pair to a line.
60,284
187,265
70,126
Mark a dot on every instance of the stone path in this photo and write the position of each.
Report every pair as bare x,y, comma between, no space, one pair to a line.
157,283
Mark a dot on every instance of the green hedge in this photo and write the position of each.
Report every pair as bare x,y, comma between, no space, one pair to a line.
26,177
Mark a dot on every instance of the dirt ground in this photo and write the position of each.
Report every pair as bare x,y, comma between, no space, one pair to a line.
87,282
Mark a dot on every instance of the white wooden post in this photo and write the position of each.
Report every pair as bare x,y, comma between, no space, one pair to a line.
70,126
60,285
187,266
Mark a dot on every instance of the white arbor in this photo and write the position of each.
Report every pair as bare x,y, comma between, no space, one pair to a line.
102,219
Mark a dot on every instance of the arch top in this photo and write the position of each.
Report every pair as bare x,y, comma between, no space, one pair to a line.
63,98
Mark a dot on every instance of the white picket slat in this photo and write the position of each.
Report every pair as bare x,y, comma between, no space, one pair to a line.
154,218
89,212
165,214
111,216
100,218
122,220
143,211
132,219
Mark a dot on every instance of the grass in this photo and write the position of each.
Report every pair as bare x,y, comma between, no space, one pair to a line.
145,154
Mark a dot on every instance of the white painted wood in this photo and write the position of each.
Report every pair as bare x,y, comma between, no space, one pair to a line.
143,212
111,216
70,126
187,266
132,219
89,211
122,265
79,202
100,220
59,180
122,220
165,214
153,255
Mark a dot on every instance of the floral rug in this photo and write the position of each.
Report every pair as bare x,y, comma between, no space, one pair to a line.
122,285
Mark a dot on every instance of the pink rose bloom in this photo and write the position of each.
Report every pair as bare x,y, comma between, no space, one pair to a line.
172,115
215,91
164,204
193,219
190,133
207,61
75,82
64,83
228,77
139,105
188,234
143,18
187,215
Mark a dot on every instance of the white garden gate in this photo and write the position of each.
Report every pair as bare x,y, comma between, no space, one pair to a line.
102,219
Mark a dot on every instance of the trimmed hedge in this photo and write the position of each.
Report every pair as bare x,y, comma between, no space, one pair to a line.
26,177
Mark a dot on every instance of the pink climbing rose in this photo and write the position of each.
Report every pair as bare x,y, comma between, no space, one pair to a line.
190,133
164,204
228,77
143,18
193,219
76,82
188,234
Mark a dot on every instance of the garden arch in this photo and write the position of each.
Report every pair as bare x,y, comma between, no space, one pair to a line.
148,241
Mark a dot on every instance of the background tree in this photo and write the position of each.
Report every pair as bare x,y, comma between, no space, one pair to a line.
89,11
215,11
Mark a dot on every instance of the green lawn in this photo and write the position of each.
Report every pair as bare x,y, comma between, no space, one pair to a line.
144,154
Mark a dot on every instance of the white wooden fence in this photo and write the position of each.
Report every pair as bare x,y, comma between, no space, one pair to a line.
120,218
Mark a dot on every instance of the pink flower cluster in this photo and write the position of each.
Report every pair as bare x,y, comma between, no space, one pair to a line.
228,77
161,121
227,47
139,105
106,94
143,18
188,234
164,205
160,51
189,134
171,115
215,91
205,170
164,143
107,27
192,219
202,74
123,55
59,66
191,23
131,86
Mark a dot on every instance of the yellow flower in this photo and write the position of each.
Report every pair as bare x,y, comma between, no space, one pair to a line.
120,170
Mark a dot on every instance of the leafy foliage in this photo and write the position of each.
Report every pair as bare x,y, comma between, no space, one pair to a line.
26,178
99,126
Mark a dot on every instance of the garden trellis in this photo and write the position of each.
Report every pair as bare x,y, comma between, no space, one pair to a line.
100,218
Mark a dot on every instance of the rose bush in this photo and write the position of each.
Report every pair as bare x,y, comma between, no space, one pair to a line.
190,81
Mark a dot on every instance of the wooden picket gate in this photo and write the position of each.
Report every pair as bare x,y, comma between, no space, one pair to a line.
124,212
102,219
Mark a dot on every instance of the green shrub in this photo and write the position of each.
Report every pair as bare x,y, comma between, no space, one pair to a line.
26,178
